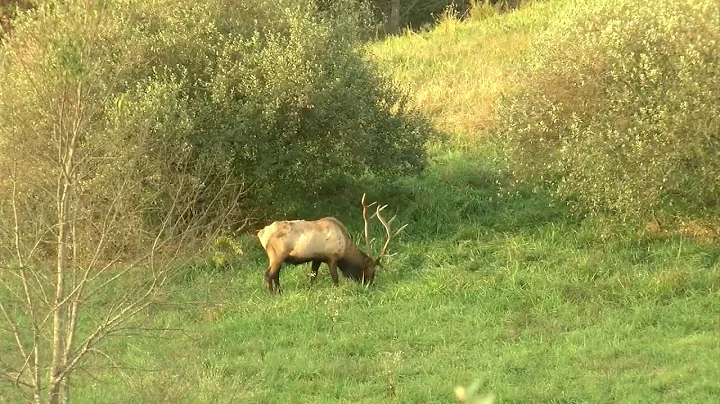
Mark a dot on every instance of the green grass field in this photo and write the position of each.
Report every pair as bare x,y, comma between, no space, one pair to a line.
499,286
485,286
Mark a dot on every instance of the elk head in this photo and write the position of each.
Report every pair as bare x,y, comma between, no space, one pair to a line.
324,240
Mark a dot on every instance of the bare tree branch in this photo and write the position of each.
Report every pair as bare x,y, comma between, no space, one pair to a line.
93,231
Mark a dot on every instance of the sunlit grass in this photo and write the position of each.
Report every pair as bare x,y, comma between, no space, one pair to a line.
456,71
489,286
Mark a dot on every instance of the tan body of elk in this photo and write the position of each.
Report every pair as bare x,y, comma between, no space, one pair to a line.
324,240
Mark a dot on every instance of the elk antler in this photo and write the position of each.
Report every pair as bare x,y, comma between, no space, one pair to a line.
386,225
364,211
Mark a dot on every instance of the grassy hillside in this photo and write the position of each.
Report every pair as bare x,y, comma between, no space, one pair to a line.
499,286
457,71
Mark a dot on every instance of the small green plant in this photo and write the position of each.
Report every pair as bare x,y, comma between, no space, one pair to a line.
391,363
224,250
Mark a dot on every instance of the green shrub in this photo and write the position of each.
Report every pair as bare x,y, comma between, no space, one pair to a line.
618,109
8,9
274,92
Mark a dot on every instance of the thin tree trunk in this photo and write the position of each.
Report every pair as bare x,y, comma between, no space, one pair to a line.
65,195
58,347
394,22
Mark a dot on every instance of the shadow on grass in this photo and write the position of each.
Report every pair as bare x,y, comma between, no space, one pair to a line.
463,215
460,198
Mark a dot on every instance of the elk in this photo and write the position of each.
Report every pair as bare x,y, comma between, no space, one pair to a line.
325,240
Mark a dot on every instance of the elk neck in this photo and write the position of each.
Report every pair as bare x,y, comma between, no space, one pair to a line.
354,263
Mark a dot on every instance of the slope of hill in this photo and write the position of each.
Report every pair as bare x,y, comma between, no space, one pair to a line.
456,71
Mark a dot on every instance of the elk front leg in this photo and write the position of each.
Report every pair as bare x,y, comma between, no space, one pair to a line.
333,271
314,271
277,282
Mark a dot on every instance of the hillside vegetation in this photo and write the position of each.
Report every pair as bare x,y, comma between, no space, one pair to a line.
520,273
605,104
614,111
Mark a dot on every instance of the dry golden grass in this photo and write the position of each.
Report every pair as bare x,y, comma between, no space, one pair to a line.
458,70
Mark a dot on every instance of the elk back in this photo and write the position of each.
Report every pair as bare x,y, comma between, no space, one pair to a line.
302,240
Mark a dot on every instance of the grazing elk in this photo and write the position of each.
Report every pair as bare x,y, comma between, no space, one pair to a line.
324,240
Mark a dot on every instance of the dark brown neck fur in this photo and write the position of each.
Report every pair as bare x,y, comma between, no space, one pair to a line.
354,263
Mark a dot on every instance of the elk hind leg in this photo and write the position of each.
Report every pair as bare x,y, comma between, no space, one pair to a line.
272,277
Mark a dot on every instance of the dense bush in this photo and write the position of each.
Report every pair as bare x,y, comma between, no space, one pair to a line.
273,92
618,111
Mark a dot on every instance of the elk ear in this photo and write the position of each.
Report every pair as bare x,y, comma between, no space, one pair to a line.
379,264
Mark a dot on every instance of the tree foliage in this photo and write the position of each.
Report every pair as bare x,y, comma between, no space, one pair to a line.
275,91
